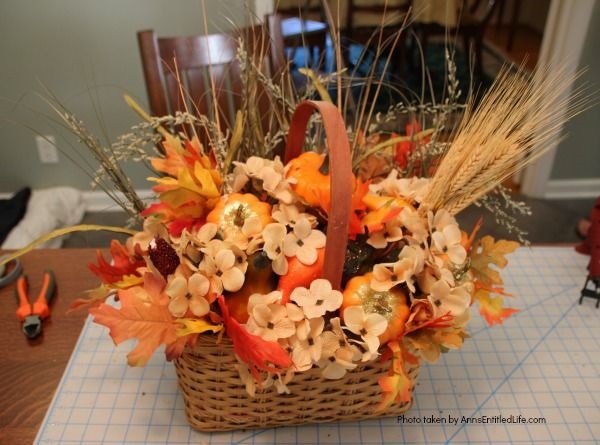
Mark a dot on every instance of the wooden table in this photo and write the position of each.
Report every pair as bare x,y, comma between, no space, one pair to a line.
30,370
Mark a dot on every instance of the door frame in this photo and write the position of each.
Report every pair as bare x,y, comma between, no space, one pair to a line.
564,37
263,7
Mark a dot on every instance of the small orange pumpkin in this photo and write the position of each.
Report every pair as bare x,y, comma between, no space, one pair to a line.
259,280
391,304
300,275
311,183
232,212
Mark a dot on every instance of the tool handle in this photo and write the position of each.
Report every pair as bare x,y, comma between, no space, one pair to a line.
7,276
41,305
25,309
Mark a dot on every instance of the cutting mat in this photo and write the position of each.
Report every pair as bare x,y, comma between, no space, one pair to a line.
541,367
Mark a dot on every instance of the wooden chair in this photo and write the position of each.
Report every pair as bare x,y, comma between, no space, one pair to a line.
173,64
304,26
366,33
394,10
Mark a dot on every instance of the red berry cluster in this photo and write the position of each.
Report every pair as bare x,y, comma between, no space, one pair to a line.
163,257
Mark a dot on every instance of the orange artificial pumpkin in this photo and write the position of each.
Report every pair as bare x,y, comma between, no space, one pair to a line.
391,304
311,183
232,212
259,280
300,275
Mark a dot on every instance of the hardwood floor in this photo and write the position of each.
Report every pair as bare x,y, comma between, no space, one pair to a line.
526,45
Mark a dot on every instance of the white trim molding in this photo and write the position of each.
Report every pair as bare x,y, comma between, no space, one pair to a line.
566,29
573,188
262,8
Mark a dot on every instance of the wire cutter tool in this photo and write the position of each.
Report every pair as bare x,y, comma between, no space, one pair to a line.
31,315
8,275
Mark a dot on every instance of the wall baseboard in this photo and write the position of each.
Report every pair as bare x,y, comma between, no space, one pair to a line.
572,188
98,201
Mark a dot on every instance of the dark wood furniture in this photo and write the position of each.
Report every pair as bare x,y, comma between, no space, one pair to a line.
388,18
474,20
201,73
394,12
514,21
31,369
304,25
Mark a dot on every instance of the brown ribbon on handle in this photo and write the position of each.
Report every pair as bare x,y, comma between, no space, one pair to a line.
340,175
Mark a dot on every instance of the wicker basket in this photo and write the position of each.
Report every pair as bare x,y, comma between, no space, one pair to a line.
216,399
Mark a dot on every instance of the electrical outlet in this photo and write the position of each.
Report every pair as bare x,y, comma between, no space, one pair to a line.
47,151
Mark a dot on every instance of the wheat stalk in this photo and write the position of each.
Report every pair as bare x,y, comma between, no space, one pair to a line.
511,127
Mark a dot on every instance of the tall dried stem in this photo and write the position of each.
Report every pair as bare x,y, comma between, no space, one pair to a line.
511,127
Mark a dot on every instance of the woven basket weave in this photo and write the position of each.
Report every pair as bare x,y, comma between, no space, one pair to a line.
216,399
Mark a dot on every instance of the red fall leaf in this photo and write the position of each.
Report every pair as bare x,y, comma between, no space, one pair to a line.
123,264
258,354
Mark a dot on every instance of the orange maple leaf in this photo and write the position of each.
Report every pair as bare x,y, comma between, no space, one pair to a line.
396,386
486,252
143,315
492,308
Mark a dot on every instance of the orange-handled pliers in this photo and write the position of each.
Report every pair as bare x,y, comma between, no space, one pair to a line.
31,315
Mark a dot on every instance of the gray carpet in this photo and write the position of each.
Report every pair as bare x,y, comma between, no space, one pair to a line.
553,221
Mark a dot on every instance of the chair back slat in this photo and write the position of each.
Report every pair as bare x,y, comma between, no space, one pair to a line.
201,63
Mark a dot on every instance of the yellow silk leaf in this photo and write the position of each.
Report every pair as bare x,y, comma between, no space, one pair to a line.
191,326
492,308
96,296
432,342
395,388
450,339
207,184
101,293
178,197
128,281
200,183
486,252
174,143
166,180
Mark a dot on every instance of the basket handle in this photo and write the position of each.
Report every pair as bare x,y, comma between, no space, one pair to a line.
340,175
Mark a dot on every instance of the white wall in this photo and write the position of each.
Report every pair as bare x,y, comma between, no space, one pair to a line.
578,156
569,43
82,50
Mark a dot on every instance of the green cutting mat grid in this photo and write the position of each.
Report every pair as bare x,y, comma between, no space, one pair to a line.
543,362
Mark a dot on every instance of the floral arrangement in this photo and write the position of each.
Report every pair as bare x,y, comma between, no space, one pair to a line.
244,256
235,244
